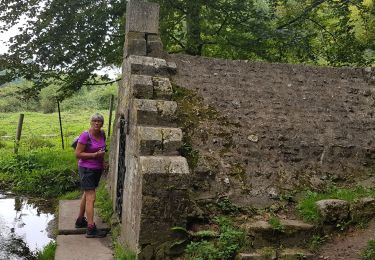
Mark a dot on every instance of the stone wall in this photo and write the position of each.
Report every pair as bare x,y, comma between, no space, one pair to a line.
289,126
148,179
279,127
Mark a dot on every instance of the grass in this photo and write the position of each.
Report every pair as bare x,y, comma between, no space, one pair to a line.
307,206
104,203
276,224
122,253
41,166
43,129
71,195
369,252
316,241
48,252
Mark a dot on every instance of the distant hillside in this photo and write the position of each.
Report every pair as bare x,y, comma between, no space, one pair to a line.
89,97
17,81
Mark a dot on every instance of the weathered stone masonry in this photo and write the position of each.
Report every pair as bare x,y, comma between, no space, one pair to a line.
290,124
147,178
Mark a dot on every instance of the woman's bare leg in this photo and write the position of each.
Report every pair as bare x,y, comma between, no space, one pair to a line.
90,200
82,206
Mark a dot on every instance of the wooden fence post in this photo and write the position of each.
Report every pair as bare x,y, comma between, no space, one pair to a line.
61,130
18,135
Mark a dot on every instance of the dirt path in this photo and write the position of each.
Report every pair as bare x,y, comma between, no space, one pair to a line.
347,246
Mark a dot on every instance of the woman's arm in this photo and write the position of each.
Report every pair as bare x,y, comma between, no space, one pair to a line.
80,154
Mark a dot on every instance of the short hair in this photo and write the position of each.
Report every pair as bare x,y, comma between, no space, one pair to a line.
97,117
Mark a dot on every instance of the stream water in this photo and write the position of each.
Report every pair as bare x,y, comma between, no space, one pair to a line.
24,225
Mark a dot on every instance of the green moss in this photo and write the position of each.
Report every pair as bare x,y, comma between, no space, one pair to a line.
267,252
227,207
237,170
187,151
316,241
369,252
191,112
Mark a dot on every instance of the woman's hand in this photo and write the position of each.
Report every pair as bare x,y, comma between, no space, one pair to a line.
99,154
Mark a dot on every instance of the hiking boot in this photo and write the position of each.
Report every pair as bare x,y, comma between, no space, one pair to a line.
92,231
81,223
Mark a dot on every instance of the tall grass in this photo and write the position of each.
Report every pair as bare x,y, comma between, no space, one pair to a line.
48,252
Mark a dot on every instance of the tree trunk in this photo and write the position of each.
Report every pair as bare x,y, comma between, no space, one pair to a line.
193,19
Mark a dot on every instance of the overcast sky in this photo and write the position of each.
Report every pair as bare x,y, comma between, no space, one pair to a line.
4,37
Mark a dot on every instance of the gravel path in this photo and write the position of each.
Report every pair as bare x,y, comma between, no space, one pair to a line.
347,246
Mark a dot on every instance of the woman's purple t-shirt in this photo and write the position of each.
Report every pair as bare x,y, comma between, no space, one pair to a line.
93,146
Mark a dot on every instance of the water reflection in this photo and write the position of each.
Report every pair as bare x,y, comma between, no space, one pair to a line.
23,227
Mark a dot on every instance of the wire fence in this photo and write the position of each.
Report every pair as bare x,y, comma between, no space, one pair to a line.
40,130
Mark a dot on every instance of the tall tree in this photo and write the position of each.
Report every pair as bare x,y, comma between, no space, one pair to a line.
67,41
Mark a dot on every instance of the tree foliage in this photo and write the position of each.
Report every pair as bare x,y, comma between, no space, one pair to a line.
63,42
68,41
323,32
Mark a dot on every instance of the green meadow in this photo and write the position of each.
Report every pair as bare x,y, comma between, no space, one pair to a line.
41,166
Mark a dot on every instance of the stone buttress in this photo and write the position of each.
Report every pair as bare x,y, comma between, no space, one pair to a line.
148,179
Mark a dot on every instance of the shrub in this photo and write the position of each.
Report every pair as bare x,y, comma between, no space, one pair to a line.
12,101
20,163
48,101
47,182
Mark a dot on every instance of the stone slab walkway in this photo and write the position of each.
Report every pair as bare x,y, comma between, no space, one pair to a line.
72,243
68,210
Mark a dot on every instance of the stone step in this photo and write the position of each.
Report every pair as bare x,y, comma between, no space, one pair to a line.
295,254
147,87
78,247
266,253
290,233
155,112
143,65
164,165
269,253
68,211
159,140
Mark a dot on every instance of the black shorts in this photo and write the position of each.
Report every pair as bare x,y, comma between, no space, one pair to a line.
89,178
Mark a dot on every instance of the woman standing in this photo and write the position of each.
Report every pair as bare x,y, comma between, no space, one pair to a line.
90,151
